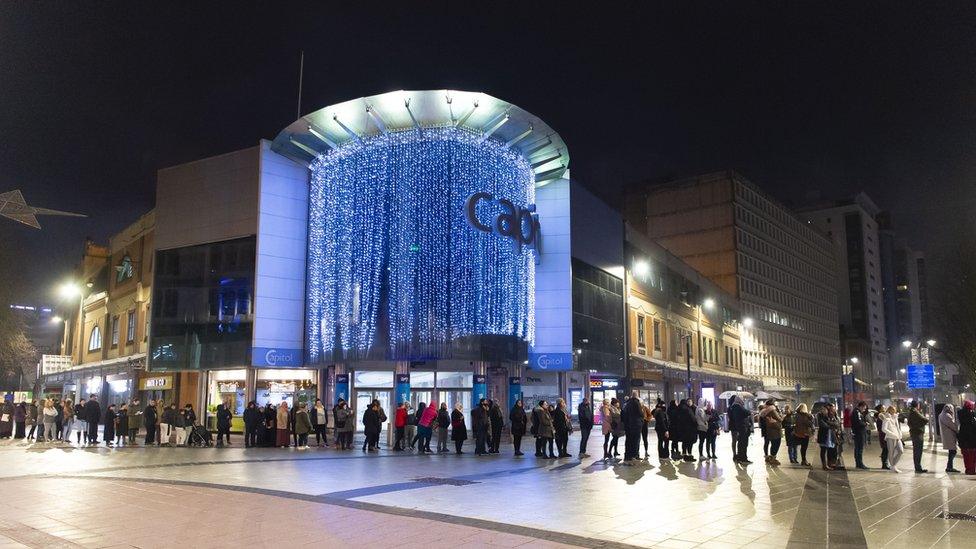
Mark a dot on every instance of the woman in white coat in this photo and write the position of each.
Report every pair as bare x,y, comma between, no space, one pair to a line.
892,432
949,428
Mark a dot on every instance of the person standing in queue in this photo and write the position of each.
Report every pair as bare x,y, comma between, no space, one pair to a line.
616,426
967,436
916,430
892,431
949,429
605,428
371,424
303,426
879,412
252,421
135,419
662,427
442,423
281,425
93,414
562,425
584,413
859,430
479,426
740,423
149,418
497,422
714,425
632,417
224,417
400,427
320,423
122,425
109,431
517,420
459,431
345,424
802,431
547,431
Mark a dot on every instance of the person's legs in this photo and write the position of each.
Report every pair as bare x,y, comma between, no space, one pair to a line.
398,442
969,460
614,439
765,446
744,446
644,433
710,444
92,432
496,439
735,445
517,444
606,442
701,442
823,456
804,444
952,456
584,438
917,448
774,449
662,446
832,456
538,446
859,449
549,442
457,446
884,453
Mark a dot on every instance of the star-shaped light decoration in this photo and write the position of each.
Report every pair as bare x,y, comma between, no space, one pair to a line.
13,206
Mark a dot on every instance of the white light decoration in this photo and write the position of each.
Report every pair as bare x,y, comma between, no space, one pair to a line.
389,246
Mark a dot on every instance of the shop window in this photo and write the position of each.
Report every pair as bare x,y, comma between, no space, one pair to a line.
95,339
463,380
115,331
130,327
421,380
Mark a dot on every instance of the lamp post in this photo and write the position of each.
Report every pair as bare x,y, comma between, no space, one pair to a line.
847,372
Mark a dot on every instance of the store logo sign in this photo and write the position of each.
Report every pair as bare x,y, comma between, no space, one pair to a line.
519,224
556,362
274,356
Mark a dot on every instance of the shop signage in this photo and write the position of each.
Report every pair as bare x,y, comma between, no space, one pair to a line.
161,383
479,388
604,383
123,269
514,390
555,362
514,222
402,388
342,387
276,356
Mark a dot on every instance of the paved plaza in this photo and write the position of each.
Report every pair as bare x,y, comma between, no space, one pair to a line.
65,496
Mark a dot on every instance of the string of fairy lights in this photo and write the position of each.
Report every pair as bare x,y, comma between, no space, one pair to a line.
389,246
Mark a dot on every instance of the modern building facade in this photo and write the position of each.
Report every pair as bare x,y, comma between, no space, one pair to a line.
781,270
853,227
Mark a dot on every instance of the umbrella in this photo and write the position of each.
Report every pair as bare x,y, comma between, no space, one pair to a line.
730,394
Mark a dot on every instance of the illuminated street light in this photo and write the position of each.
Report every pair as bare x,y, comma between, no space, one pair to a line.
641,268
930,343
69,290
853,360
747,322
56,319
902,370
907,343
709,303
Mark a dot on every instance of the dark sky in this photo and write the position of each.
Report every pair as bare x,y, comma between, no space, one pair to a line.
95,97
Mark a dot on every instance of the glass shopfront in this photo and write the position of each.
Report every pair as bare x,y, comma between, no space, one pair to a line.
449,387
227,387
291,386
602,388
368,386
119,389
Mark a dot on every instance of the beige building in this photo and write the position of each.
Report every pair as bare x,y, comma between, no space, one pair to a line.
780,269
671,307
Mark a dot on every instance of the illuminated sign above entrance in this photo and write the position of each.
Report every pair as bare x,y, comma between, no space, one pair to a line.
515,222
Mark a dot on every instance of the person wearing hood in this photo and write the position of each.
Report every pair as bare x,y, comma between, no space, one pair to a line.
518,421
632,417
676,434
479,426
426,425
687,429
459,431
281,425
966,438
949,427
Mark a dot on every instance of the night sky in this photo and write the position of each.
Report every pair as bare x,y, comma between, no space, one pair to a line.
95,97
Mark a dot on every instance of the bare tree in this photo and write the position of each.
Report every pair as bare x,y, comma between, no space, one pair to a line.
954,310
17,354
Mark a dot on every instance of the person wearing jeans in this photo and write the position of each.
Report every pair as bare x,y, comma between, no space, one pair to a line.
916,430
662,426
68,421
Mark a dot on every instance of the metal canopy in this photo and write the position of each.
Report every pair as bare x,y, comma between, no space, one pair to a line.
319,132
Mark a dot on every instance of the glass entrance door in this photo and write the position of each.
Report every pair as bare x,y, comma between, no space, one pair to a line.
418,396
453,396
364,397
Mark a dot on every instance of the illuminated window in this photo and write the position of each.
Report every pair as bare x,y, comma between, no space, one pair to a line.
95,339
115,331
641,338
130,327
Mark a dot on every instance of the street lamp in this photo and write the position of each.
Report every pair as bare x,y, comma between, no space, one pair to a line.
747,322
709,303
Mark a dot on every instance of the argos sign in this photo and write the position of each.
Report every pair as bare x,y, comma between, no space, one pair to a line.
514,222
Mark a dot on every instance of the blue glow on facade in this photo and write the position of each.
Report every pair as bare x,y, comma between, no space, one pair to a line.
390,249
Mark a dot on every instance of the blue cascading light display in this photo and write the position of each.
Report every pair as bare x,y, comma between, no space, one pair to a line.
389,246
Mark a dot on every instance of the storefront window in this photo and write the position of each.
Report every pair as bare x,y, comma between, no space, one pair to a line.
460,380
291,386
119,391
374,379
421,380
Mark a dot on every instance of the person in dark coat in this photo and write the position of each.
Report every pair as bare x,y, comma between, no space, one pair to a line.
109,431
224,417
966,437
149,418
675,429
20,420
93,415
7,419
518,420
415,420
740,424
292,419
632,417
584,413
662,426
562,425
859,429
689,429
269,434
371,427
479,426
497,422
459,431
122,425
252,423
59,420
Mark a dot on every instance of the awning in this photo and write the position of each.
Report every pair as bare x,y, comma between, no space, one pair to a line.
695,369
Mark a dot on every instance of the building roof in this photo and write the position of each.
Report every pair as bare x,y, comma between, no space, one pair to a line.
336,125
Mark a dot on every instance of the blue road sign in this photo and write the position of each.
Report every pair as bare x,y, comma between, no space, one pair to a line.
921,376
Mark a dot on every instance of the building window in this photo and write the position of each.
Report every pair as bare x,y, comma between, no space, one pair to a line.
130,327
641,343
657,335
679,344
115,331
95,339
145,331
